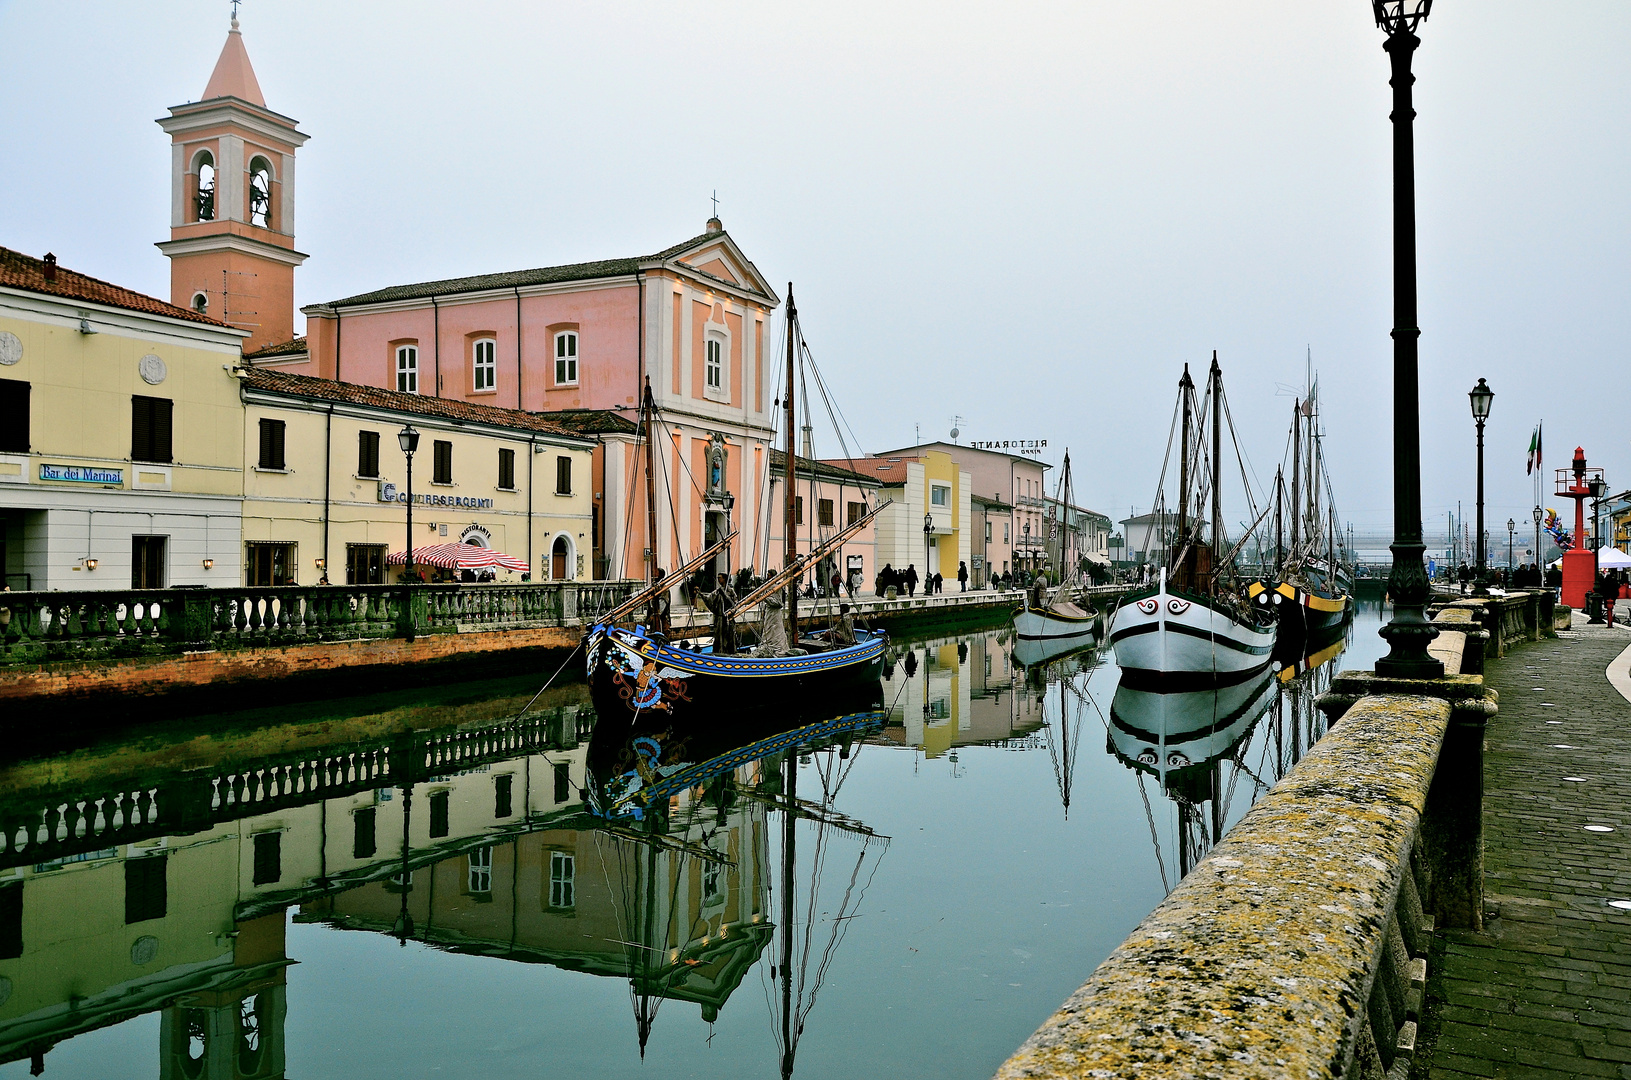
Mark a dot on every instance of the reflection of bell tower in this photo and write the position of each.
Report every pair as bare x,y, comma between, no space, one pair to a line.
234,1032
231,243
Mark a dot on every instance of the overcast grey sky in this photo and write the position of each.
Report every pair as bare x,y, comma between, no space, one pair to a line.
1026,214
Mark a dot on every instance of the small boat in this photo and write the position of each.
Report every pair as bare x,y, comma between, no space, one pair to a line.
1059,620
637,669
1194,629
1309,591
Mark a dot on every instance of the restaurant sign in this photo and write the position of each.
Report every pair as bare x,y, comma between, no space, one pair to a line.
392,494
82,474
1027,447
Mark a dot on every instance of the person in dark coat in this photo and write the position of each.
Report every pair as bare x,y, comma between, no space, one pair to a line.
962,577
939,582
910,578
658,608
720,601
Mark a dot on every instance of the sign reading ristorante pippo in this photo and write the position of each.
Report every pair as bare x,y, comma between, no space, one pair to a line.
81,474
392,493
1028,447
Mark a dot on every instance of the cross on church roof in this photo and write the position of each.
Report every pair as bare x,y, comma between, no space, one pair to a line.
235,4
716,202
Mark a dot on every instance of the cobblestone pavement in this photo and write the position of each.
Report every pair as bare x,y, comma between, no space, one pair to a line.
1544,993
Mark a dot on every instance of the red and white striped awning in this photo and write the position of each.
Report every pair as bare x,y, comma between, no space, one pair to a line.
457,557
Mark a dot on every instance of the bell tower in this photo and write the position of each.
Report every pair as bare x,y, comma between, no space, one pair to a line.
232,177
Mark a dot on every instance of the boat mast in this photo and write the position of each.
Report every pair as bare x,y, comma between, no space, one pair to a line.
1186,391
1279,502
789,820
1217,471
1296,474
788,513
650,409
1314,523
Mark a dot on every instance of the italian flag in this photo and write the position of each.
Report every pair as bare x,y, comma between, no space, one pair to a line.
1534,450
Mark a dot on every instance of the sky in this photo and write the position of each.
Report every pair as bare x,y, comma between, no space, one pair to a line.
1025,216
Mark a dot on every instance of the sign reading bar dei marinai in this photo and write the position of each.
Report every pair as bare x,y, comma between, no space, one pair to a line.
1028,447
82,474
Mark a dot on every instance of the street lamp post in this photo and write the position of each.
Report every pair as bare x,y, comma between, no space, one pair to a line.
1409,631
1599,488
1481,397
1027,552
1540,575
408,439
928,525
1510,526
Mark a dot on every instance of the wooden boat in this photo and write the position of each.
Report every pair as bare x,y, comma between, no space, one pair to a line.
636,669
1060,620
1309,592
1194,629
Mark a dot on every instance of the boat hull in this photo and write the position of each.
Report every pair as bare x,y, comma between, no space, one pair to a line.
1170,639
631,673
1309,621
1066,631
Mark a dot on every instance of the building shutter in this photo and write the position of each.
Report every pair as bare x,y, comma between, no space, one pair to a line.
161,429
146,888
141,428
13,416
272,444
563,475
444,463
506,468
367,453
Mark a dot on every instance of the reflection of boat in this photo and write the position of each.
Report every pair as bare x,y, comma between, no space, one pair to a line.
638,670
1056,619
1029,653
1169,736
1194,629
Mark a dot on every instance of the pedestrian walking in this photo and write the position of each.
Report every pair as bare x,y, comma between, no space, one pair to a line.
910,578
962,577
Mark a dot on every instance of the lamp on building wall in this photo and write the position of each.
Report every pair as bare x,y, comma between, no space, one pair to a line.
408,439
209,564
90,564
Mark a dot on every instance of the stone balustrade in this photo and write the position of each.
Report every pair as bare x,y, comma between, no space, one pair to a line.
41,627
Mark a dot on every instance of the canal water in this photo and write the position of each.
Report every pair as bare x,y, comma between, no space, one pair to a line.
235,898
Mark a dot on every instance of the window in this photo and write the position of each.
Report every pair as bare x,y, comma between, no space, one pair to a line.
562,875
147,890
363,842
365,564
854,512
260,193
407,369
438,814
563,781
201,302
272,444
443,472
940,495
485,366
150,429
506,469
711,892
798,509
716,364
268,858
269,563
502,785
368,453
988,530
1005,527
563,475
566,358
824,511
147,562
204,200
480,863
11,921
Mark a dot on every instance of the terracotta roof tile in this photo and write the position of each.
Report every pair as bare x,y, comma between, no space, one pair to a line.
19,271
307,386
293,347
885,470
831,470
592,421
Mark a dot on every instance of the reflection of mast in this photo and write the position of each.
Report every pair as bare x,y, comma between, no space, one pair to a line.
788,836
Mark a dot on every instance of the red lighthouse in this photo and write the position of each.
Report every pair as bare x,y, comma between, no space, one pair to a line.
1579,565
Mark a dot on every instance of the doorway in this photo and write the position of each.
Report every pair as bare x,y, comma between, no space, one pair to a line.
147,562
558,555
713,530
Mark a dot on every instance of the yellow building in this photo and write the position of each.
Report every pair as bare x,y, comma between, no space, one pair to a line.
929,526
326,482
121,436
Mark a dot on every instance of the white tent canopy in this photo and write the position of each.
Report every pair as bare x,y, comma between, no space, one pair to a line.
1608,559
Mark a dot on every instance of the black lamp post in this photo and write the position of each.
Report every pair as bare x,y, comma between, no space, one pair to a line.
1510,526
928,525
1409,631
1027,555
408,438
1481,397
1540,576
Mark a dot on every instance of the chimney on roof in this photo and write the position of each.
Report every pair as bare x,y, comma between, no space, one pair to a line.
714,225
50,266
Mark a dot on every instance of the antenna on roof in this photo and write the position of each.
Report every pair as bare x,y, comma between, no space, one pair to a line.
955,422
715,194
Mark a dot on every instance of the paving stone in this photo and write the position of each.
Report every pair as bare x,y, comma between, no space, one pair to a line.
1544,992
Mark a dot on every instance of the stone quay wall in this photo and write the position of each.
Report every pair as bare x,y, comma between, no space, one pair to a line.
1298,946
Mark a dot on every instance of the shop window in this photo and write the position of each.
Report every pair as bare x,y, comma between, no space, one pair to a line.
442,473
438,814
854,512
562,881
268,858
150,429
146,888
502,787
364,835
365,564
484,365
407,369
563,475
13,416
269,563
272,444
147,562
11,921
824,512
563,781
566,358
506,469
368,454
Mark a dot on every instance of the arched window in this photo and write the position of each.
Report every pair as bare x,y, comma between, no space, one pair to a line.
566,358
260,193
560,554
407,369
201,303
484,363
204,197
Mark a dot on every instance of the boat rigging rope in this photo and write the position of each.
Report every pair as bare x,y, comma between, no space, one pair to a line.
551,679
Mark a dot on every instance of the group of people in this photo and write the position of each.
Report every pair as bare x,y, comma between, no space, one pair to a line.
719,600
